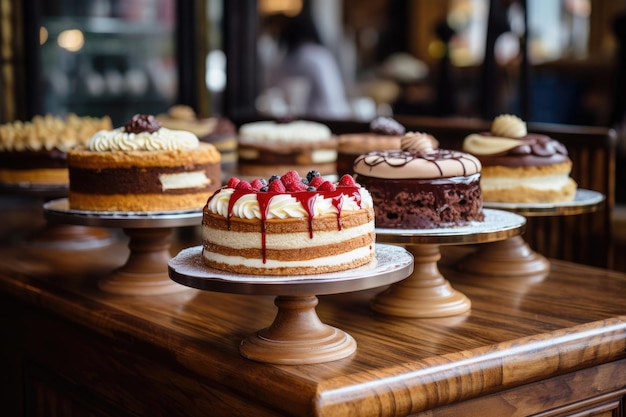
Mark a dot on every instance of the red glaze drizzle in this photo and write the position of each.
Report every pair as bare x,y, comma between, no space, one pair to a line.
305,198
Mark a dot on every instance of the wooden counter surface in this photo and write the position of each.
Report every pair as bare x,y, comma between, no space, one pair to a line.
526,346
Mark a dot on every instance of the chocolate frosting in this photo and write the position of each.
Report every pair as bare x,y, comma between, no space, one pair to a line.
142,123
387,126
537,149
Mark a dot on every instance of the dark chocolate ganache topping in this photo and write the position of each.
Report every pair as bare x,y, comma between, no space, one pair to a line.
142,123
537,149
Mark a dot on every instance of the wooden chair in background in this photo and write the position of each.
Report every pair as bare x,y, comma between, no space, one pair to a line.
582,238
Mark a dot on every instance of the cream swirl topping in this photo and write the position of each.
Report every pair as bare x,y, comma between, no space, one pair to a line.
163,139
417,142
282,206
508,126
507,131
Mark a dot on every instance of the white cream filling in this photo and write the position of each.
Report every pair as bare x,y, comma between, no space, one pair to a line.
322,156
271,263
243,240
184,180
552,182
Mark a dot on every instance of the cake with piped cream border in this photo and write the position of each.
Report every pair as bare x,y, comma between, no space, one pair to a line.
34,152
521,167
267,147
418,187
143,167
288,225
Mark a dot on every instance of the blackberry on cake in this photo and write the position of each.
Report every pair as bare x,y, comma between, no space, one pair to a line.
521,167
288,225
421,187
143,167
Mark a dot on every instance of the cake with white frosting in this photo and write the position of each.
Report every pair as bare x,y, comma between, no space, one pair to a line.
421,187
142,167
34,152
268,147
288,225
521,167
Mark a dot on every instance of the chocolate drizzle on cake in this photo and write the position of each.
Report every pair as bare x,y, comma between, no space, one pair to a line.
142,123
399,159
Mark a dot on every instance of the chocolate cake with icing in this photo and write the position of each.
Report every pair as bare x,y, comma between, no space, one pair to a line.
216,130
521,167
288,225
143,167
418,187
267,147
35,152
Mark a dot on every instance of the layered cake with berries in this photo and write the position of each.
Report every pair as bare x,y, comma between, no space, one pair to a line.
384,133
288,225
35,152
267,147
143,167
521,167
421,187
216,130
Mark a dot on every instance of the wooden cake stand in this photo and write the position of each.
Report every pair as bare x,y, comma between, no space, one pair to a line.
54,235
426,293
297,336
513,257
145,271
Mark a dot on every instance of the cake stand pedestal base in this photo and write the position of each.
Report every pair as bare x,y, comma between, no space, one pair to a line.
145,271
425,293
511,257
297,336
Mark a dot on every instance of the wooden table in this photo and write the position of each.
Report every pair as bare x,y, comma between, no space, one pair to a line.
528,346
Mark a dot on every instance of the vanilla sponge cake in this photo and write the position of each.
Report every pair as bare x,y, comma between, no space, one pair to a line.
418,187
143,167
521,167
267,147
288,226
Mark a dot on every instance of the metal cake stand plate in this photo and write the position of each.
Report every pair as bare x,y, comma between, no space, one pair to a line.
55,235
513,257
426,293
145,271
297,336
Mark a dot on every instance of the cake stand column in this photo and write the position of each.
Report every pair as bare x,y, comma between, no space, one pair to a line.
425,293
297,336
145,271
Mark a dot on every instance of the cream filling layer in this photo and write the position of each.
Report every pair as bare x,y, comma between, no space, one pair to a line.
358,253
323,156
184,180
244,240
551,182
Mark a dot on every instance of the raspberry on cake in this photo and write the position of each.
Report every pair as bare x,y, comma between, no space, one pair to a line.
267,147
287,225
521,167
419,187
143,167
35,152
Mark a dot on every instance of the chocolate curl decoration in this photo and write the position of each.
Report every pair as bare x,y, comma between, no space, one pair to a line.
142,123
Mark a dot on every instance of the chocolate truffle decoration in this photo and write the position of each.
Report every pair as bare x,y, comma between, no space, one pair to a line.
142,123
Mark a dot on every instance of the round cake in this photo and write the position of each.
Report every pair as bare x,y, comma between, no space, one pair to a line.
35,152
521,167
143,167
419,187
384,133
288,225
218,131
268,147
